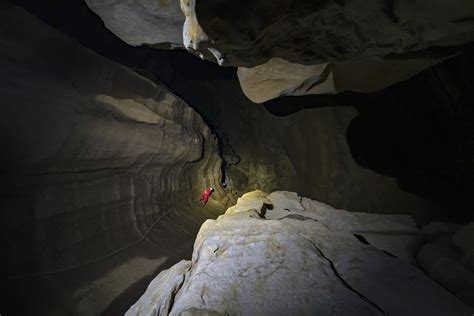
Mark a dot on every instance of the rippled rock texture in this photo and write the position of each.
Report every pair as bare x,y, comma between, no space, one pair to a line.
284,254
101,172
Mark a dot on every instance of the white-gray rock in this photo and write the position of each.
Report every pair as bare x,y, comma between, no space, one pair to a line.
157,298
358,222
248,265
250,201
402,246
396,234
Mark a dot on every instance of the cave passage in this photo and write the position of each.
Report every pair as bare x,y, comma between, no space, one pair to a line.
107,147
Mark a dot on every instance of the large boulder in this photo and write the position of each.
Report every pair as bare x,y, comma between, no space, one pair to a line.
245,263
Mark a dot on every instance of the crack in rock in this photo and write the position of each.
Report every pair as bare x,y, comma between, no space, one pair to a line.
174,293
344,282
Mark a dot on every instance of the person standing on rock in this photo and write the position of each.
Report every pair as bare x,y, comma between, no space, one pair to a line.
205,195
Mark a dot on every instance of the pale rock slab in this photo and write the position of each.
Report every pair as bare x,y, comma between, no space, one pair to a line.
244,264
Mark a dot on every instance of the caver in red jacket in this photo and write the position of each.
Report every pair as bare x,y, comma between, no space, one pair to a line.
205,195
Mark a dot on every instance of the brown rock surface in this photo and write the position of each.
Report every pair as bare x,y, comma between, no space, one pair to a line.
278,77
101,172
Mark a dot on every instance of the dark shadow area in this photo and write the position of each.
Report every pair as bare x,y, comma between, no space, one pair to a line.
75,19
420,131
288,105
128,297
263,210
361,239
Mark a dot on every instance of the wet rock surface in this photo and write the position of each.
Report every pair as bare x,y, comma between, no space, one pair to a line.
287,257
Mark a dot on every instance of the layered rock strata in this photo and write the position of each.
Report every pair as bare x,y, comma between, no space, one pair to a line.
97,162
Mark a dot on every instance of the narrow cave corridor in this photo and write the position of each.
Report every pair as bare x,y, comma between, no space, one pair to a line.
322,154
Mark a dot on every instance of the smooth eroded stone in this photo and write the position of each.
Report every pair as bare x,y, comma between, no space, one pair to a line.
249,265
140,22
99,166
278,77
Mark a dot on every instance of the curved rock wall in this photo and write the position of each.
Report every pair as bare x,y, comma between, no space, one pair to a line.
98,162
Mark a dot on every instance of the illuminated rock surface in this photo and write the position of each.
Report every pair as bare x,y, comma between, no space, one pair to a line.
102,175
278,77
289,255
140,22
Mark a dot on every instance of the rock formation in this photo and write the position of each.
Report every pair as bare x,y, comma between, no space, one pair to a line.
97,159
140,22
448,257
301,47
312,33
102,168
364,152
278,77
284,254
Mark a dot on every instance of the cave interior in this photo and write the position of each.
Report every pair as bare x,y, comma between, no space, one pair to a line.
107,143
